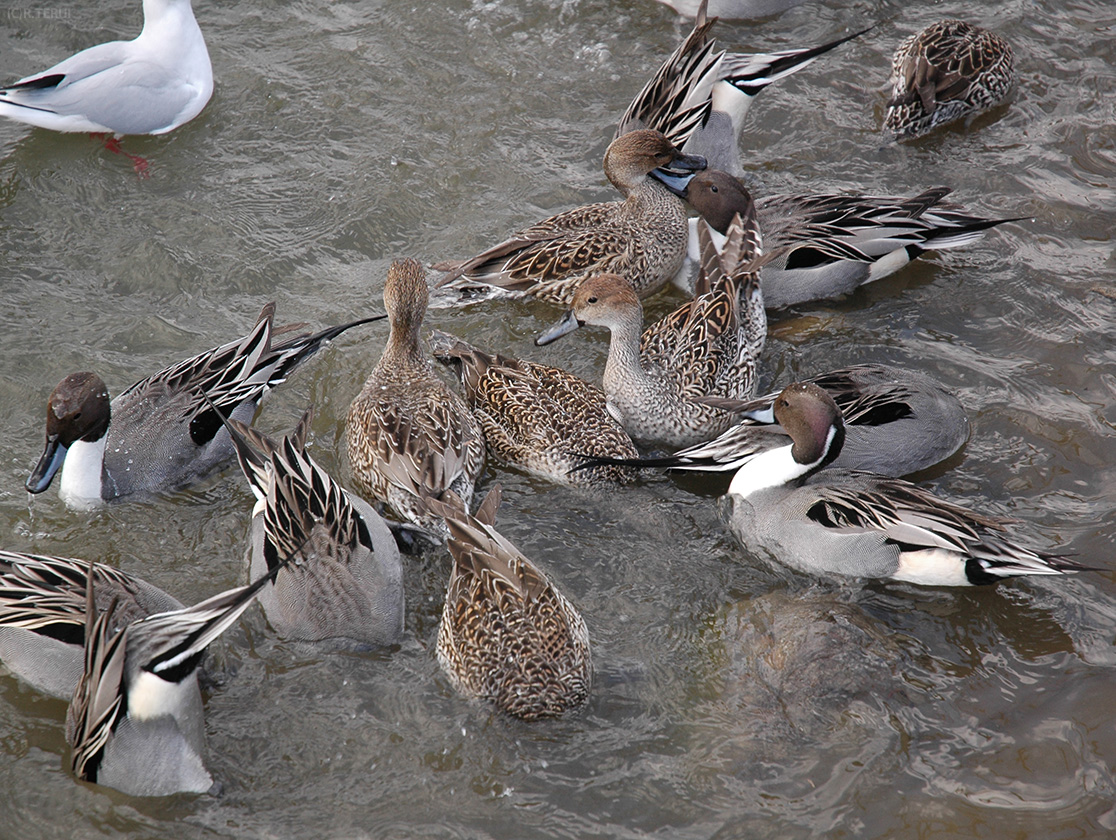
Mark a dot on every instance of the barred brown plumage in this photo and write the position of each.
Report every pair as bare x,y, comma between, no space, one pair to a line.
409,435
537,417
508,635
949,70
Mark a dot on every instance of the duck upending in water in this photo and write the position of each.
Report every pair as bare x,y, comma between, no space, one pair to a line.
700,96
135,721
949,70
642,238
707,347
782,503
508,635
43,605
537,417
409,435
345,581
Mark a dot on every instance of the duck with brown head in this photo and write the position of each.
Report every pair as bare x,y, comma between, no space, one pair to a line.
642,238
784,503
410,436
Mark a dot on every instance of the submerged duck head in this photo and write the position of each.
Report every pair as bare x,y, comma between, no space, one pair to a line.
632,156
78,409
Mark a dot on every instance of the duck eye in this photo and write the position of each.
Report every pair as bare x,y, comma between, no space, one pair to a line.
593,299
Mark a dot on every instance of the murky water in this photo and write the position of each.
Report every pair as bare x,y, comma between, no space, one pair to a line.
731,699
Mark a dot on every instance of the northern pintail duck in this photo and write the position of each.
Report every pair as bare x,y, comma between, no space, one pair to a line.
345,581
827,245
409,435
508,635
135,721
149,85
897,422
708,347
43,604
949,70
642,238
825,521
700,95
164,432
536,417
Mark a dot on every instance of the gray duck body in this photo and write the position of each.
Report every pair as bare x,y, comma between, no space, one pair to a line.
783,504
164,432
345,581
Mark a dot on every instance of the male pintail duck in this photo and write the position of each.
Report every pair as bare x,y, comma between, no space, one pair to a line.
708,347
897,422
827,245
409,435
149,85
642,238
345,581
43,603
824,521
135,720
700,95
949,70
508,635
165,431
536,417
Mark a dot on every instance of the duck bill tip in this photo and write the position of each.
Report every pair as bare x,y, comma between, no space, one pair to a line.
51,461
568,324
676,182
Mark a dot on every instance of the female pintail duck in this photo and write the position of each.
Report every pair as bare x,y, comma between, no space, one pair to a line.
346,581
43,603
642,238
165,431
897,422
409,435
826,521
536,417
949,70
149,85
508,635
708,347
827,245
700,95
135,720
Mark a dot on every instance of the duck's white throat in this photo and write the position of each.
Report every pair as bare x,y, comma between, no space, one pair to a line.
773,468
80,483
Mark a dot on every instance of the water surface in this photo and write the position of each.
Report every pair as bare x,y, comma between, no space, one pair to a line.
731,698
